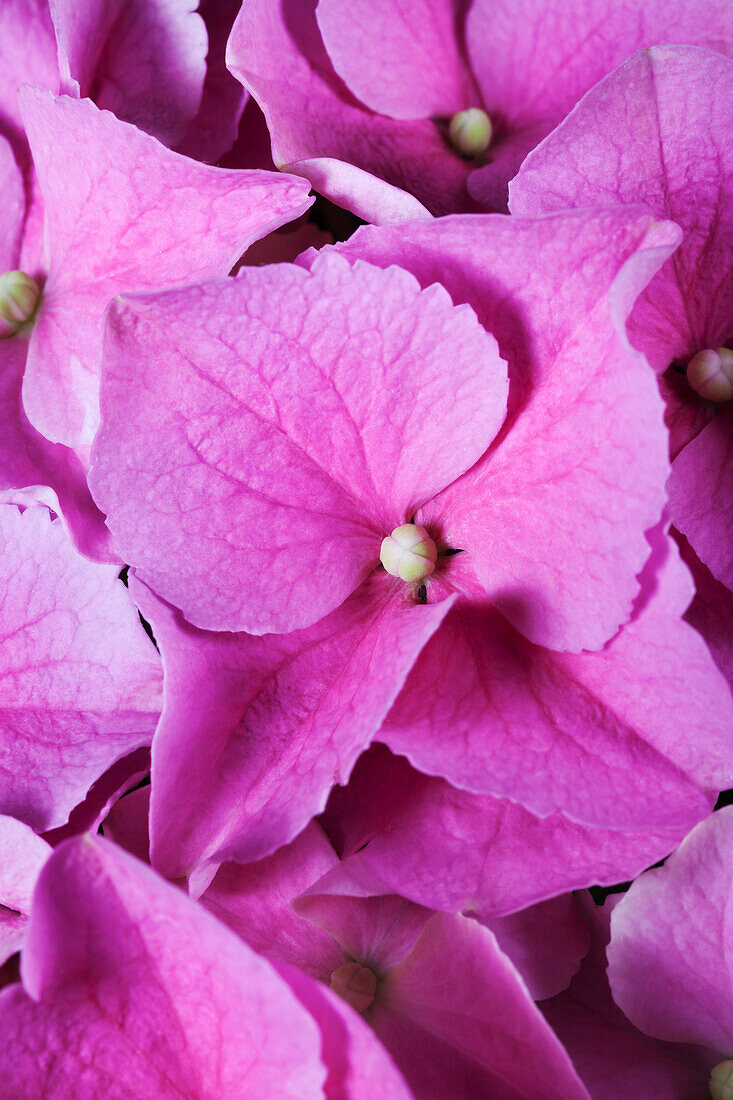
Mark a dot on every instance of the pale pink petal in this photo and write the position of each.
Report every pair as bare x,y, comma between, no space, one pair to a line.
469,1028
304,417
401,60
545,943
554,515
450,850
131,989
533,64
654,131
672,931
213,131
81,681
102,796
142,59
125,216
254,899
13,199
361,192
277,52
255,731
32,470
701,495
23,855
612,1057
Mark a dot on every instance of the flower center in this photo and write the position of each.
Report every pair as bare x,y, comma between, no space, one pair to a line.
356,984
470,132
19,296
710,373
409,553
721,1081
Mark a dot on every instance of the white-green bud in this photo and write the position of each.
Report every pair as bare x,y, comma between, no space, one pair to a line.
409,553
470,132
710,373
721,1081
19,296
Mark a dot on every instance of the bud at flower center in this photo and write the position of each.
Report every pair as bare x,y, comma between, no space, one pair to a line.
409,553
710,373
721,1081
470,132
356,984
19,296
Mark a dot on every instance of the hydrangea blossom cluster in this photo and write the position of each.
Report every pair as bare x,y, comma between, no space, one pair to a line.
366,587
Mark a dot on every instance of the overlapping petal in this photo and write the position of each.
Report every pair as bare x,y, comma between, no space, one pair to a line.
673,928
80,679
129,215
654,131
451,850
255,731
130,988
142,59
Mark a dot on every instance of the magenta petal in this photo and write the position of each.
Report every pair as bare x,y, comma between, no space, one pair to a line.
359,1067
711,613
131,989
701,495
142,59
313,412
81,681
277,52
534,63
450,850
372,925
29,56
254,899
213,131
399,60
124,217
613,1058
545,943
494,714
555,292
469,1028
255,731
671,931
655,131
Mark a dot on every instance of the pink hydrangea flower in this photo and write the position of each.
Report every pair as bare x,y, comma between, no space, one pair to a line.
377,101
544,942
129,988
303,466
461,1031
